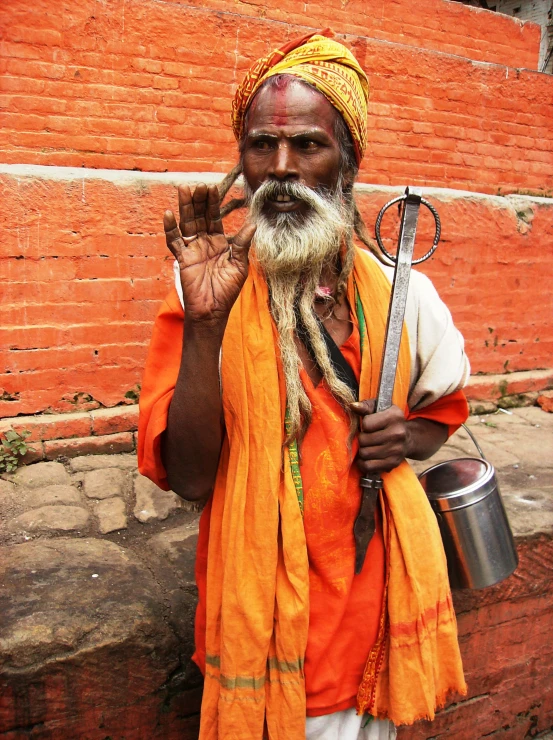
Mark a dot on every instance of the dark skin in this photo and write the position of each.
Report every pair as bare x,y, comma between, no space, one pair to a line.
290,137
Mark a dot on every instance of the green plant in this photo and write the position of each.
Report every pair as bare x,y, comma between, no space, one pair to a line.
11,449
134,393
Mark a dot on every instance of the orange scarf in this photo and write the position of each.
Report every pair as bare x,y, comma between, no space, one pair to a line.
257,575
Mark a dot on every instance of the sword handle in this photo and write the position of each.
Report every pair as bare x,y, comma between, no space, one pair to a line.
363,529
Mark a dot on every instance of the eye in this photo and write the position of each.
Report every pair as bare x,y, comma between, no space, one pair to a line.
307,144
261,144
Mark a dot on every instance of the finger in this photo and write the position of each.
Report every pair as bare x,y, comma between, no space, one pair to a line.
214,223
199,199
378,439
172,233
242,241
383,420
377,452
362,408
187,221
376,467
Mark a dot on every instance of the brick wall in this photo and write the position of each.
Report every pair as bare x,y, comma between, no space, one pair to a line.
84,267
148,85
536,11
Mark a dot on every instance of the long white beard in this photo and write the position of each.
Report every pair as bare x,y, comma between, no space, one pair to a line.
293,249
294,242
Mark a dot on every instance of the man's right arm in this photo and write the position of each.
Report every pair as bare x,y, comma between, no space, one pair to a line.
192,441
212,274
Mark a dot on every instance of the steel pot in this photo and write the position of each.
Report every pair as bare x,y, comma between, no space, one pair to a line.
476,534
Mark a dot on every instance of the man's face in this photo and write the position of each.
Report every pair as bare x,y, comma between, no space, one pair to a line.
290,138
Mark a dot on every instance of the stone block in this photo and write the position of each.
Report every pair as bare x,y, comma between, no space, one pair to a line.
153,504
35,453
94,462
111,515
84,647
7,488
51,519
545,401
102,484
482,407
117,419
51,496
178,547
50,426
493,387
42,474
111,443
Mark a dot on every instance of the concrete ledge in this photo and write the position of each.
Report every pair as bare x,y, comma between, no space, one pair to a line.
486,393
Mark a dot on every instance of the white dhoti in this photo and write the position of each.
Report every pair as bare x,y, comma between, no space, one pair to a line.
347,725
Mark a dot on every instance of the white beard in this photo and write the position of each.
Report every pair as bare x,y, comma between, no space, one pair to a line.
294,243
293,249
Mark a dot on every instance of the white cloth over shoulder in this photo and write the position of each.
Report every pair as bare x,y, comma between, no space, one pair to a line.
439,365
347,725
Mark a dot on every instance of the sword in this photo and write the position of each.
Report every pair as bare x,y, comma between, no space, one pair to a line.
364,526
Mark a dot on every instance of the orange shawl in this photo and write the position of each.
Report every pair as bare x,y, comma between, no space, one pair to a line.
257,576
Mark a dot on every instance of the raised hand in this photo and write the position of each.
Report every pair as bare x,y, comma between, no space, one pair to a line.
212,271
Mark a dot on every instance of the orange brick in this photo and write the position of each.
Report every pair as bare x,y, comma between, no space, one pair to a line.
50,426
118,419
108,444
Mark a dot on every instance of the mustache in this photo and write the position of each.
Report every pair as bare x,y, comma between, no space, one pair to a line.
317,199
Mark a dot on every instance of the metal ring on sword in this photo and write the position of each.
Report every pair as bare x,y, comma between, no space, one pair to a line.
437,234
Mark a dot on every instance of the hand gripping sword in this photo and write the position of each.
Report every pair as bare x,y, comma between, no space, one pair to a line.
364,526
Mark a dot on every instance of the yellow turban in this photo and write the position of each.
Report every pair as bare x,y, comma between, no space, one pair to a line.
327,65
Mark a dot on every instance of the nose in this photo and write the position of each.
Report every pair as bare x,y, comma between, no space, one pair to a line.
284,165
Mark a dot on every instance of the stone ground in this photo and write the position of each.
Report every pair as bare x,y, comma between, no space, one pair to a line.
97,564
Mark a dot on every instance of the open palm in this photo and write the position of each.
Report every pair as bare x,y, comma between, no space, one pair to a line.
212,271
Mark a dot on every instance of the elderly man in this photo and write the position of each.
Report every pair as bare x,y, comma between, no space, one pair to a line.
245,405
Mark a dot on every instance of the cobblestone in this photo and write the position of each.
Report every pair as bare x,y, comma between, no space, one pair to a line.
51,495
111,515
42,474
51,519
151,502
105,483
96,462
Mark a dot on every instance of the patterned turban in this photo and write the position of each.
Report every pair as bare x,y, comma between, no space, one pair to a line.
327,65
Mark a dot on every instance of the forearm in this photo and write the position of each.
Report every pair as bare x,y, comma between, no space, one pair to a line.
192,442
424,438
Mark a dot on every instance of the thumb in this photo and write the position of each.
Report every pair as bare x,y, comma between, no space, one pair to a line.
243,239
362,408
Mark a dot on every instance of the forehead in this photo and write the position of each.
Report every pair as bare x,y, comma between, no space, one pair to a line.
291,103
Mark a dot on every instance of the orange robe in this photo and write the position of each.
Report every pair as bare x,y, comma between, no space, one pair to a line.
344,611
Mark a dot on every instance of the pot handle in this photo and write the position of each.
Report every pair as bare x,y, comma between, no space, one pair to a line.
471,435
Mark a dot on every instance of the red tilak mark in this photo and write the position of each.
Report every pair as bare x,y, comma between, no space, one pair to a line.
280,117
